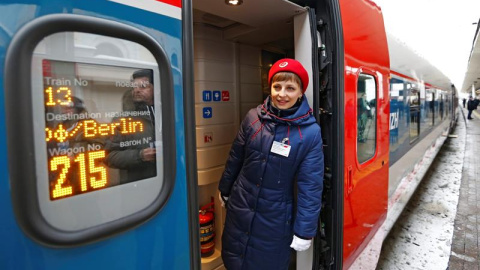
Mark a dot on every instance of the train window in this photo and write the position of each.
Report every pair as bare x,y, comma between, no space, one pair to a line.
430,108
366,117
414,119
441,106
102,134
101,123
446,105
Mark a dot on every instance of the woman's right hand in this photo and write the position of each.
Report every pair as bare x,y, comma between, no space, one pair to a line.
223,199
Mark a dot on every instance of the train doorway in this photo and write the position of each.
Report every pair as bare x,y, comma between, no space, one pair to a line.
233,53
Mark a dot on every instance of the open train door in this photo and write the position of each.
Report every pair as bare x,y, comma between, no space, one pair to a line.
319,42
91,111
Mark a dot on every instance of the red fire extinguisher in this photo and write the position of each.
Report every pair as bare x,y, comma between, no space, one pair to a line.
207,229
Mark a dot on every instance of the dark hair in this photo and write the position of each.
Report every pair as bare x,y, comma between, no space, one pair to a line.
78,104
286,76
143,73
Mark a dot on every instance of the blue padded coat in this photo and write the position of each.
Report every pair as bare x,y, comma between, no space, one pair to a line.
260,220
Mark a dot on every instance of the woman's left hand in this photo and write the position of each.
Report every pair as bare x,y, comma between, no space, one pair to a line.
300,244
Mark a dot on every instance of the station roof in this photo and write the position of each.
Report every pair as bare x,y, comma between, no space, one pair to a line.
472,75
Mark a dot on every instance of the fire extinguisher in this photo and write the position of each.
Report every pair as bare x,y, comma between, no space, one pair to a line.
207,229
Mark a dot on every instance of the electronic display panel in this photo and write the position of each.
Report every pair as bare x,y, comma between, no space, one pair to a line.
98,144
98,133
90,128
99,126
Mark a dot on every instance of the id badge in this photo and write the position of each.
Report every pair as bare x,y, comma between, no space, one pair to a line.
280,148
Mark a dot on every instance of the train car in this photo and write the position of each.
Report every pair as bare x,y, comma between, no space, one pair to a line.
67,73
423,110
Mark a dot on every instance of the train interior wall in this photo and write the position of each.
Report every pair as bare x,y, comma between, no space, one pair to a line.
227,85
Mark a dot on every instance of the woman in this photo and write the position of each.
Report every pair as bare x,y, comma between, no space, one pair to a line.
278,142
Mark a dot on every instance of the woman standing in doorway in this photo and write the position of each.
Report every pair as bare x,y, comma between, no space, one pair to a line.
278,148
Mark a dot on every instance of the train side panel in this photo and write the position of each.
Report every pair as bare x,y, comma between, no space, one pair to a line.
154,239
422,109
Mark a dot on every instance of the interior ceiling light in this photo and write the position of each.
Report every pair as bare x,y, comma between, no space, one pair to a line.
233,2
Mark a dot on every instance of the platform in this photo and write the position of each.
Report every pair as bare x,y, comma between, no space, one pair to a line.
465,251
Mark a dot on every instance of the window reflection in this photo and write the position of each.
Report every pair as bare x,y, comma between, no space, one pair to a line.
101,129
414,100
366,117
430,110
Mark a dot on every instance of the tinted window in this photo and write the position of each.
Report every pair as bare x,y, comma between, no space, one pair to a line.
414,120
82,106
366,117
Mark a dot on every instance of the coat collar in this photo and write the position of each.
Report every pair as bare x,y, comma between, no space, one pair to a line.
296,116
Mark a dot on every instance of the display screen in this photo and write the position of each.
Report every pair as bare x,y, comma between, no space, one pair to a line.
100,126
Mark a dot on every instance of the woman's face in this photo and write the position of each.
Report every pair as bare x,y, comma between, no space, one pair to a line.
285,94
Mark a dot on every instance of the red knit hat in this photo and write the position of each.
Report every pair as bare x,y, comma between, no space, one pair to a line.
289,65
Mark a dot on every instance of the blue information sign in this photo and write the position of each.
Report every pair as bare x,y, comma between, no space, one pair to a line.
207,95
217,96
207,112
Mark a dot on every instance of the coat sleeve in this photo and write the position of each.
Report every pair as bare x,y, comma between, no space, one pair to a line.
310,187
121,157
235,160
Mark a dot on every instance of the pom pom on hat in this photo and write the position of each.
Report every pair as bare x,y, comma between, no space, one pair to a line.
289,65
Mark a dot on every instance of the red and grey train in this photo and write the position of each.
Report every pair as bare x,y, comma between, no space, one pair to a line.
384,113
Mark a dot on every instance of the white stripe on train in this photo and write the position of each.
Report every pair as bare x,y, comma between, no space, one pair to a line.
154,6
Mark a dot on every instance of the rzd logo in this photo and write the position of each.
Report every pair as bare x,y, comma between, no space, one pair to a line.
394,120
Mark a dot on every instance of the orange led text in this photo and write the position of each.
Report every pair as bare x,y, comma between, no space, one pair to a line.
64,92
91,175
91,129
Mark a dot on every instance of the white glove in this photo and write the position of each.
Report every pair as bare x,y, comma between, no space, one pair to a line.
223,200
300,244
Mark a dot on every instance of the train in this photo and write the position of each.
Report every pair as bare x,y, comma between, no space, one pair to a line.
66,78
